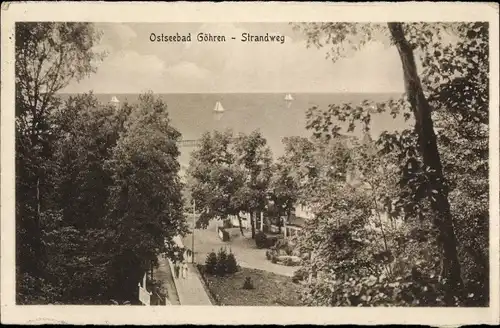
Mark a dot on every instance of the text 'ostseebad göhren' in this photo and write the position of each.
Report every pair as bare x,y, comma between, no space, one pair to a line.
216,38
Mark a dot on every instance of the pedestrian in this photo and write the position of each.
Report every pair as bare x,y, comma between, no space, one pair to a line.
184,270
177,270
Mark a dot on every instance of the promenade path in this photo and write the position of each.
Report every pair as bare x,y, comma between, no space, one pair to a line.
164,274
190,289
243,247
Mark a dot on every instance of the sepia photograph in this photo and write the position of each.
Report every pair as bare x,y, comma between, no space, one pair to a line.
281,164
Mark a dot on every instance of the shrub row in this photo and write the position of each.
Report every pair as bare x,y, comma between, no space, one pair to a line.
221,263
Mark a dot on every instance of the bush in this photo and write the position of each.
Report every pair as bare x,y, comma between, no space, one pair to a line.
382,291
231,264
211,263
271,241
299,275
272,255
221,263
248,284
288,262
221,267
284,246
261,240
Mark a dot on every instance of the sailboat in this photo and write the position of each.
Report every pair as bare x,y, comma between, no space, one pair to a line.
114,102
288,100
218,107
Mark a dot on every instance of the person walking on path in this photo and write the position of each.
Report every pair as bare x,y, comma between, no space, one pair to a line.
190,288
177,270
184,270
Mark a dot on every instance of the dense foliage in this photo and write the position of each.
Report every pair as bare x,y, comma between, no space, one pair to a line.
399,220
229,175
97,189
428,184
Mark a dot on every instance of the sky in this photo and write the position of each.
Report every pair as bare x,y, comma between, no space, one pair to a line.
134,64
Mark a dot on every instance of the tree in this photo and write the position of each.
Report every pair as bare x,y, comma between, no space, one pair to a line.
146,208
88,133
48,57
74,227
427,141
115,183
298,155
334,236
423,170
359,249
254,157
457,79
283,190
230,175
215,181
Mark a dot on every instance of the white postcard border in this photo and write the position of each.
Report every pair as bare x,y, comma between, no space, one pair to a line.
239,12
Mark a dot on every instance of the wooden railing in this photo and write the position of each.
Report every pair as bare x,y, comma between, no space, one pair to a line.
144,295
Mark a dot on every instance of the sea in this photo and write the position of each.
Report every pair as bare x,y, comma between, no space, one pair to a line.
192,114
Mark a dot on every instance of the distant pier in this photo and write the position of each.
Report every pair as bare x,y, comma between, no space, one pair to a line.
191,142
188,143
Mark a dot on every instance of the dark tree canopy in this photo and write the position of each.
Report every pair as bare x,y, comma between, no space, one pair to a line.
98,194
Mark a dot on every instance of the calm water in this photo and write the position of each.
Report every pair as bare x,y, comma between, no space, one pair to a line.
192,114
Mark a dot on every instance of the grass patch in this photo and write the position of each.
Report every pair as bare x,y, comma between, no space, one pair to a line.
270,289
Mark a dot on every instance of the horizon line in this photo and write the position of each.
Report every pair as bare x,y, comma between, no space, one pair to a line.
240,92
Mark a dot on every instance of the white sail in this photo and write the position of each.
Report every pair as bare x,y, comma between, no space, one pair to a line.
288,97
114,100
218,107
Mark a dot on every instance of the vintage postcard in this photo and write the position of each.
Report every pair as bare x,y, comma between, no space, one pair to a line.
250,163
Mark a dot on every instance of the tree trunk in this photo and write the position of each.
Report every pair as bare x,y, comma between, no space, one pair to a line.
37,233
288,214
252,222
261,221
431,159
38,211
241,225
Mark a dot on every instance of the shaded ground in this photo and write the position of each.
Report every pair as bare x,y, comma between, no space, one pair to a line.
163,274
269,289
244,249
